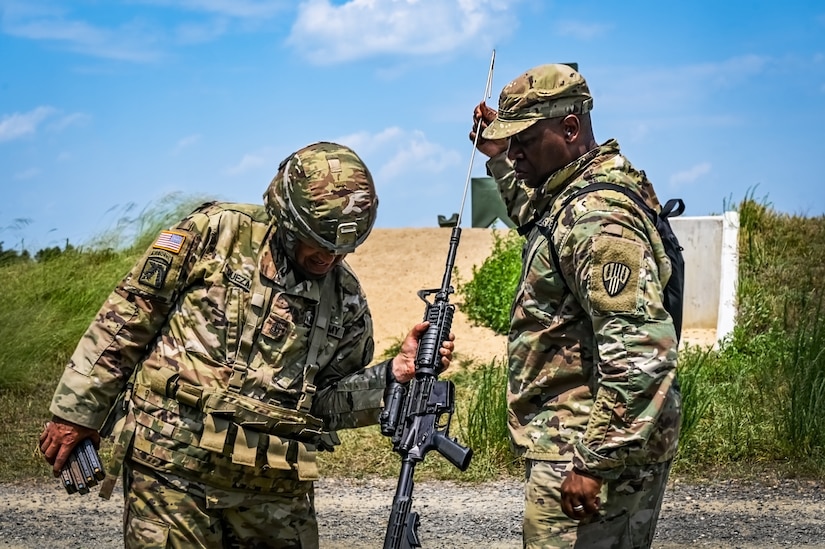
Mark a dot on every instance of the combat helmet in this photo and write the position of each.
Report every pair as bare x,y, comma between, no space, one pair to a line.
325,195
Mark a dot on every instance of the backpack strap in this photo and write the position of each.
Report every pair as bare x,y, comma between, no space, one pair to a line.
673,208
522,230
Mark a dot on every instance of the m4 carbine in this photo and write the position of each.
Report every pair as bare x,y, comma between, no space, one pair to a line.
417,416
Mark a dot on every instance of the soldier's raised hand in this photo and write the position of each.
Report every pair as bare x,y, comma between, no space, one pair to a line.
491,147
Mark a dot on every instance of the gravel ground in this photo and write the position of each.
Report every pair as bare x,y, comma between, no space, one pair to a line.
353,514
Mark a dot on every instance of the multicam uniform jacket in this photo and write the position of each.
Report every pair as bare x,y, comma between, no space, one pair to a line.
592,353
219,334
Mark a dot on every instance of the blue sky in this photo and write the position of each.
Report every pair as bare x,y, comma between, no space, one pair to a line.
106,104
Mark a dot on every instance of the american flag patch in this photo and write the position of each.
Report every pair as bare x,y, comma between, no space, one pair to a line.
170,241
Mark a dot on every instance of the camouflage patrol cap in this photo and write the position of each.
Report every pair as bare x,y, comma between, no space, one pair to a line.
324,194
546,91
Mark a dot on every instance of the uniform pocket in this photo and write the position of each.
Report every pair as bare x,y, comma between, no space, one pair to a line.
612,531
102,334
145,533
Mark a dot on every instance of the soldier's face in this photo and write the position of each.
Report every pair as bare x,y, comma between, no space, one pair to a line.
315,261
538,151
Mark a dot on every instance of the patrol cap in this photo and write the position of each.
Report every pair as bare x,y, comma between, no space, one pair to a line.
546,91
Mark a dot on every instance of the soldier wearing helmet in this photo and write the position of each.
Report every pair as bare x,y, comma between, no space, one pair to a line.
228,357
323,198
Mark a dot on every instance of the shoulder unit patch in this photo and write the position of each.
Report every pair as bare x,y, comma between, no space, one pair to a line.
615,277
614,283
154,271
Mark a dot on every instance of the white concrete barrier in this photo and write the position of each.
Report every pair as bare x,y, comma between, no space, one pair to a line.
711,271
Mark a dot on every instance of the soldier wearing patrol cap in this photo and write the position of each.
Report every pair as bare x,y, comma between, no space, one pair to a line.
227,358
594,402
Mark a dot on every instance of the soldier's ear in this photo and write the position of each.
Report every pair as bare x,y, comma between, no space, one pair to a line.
570,126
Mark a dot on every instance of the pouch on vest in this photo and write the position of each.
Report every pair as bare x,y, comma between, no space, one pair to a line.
262,417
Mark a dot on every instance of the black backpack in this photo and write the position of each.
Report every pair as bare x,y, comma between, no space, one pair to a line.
674,291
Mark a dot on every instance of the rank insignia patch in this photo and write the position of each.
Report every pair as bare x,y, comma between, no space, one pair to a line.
615,277
276,327
170,241
154,272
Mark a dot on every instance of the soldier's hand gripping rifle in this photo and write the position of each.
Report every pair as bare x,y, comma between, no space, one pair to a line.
417,416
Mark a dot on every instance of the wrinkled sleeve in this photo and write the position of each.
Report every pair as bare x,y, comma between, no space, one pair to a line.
516,197
106,356
607,255
122,330
351,394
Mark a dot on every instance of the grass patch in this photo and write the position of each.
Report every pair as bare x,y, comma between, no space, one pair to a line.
755,404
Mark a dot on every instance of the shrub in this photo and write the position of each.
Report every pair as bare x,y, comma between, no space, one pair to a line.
487,297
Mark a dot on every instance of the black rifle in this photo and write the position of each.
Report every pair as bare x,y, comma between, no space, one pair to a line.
417,416
413,414
83,469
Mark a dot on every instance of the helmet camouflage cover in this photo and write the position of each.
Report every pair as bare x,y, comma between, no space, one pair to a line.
325,195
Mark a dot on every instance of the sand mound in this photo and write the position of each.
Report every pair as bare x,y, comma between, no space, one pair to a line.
393,264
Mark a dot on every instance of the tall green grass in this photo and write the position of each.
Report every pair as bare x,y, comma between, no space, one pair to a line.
483,417
762,392
801,398
46,307
756,401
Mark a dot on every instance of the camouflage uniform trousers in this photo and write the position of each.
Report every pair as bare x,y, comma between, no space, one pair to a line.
627,518
163,511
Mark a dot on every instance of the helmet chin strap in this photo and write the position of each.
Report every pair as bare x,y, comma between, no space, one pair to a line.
288,244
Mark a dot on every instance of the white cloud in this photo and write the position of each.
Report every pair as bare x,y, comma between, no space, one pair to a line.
327,33
14,126
646,90
251,161
690,175
201,32
185,143
68,120
393,153
26,174
143,37
417,156
131,41
365,143
241,9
